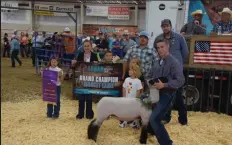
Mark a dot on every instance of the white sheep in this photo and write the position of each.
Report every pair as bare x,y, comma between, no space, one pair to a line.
125,109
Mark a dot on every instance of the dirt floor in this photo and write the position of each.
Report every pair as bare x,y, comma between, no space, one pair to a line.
24,121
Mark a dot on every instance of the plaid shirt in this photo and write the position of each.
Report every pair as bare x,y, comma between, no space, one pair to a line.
146,56
225,27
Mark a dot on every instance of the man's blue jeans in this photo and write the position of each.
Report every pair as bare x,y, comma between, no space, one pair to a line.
164,104
182,110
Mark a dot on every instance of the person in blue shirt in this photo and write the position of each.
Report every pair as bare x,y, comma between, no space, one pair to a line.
37,43
178,48
117,47
167,76
15,46
225,23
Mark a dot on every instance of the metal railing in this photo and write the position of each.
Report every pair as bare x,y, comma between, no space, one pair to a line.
208,90
43,54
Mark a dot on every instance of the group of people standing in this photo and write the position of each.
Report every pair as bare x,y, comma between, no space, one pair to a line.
164,60
196,27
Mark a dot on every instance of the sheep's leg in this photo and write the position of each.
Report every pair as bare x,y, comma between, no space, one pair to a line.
145,115
93,129
143,135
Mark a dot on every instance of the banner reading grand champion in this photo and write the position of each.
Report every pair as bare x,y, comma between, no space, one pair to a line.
98,79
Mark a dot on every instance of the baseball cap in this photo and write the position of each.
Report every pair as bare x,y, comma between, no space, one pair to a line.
144,33
166,21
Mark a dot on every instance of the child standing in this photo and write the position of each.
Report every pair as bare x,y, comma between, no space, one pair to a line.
135,61
53,111
86,56
108,57
15,47
132,86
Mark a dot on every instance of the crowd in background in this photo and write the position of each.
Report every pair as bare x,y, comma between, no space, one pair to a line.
163,61
63,44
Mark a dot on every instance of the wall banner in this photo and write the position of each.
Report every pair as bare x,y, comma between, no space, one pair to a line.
63,8
101,11
91,29
118,13
9,4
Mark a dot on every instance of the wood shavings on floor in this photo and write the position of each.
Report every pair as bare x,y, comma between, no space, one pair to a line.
25,123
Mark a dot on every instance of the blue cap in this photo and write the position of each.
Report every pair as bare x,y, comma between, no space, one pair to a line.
144,33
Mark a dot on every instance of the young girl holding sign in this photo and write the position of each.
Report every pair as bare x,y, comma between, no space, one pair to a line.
53,111
86,56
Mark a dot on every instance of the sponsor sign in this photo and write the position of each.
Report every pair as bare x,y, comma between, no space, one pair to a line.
119,13
92,29
101,11
9,4
47,8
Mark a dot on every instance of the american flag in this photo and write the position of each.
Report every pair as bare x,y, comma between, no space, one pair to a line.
214,53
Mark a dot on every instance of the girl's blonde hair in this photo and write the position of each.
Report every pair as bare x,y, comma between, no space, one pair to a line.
138,62
136,69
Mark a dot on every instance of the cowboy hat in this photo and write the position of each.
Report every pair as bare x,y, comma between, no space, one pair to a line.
226,10
196,12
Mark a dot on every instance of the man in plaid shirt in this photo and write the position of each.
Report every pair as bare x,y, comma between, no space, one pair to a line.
225,23
144,53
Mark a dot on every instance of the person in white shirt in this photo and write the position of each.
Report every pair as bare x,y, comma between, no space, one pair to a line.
132,87
53,111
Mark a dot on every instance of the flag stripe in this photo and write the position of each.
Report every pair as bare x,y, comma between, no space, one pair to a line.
222,51
213,62
222,43
211,54
212,58
221,48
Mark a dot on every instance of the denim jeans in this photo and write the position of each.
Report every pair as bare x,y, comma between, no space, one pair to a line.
14,56
179,104
56,107
164,104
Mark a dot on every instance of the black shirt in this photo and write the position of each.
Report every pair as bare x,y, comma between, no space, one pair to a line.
102,44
